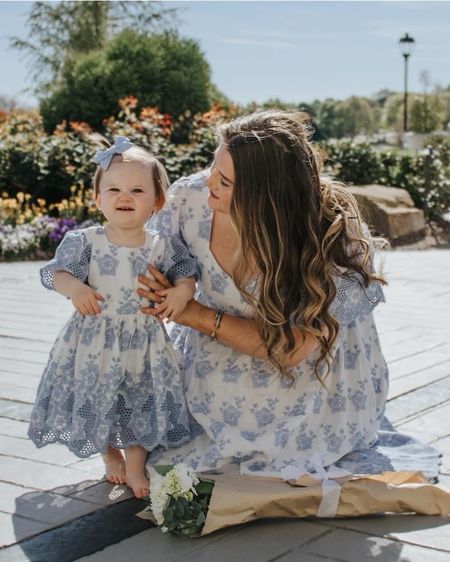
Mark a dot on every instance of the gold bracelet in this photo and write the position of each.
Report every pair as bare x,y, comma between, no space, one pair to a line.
217,319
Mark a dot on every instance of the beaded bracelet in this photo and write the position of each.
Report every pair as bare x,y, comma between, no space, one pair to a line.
217,319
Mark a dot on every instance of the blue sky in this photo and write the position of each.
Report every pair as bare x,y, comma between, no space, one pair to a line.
296,51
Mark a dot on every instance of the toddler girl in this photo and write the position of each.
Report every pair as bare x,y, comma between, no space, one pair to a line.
112,380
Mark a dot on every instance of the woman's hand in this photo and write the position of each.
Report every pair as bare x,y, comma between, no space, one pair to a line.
161,283
157,282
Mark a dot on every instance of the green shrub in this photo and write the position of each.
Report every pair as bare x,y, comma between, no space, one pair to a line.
53,166
41,165
49,166
353,163
425,175
163,71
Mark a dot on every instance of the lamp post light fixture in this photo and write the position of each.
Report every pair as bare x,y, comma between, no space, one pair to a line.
406,44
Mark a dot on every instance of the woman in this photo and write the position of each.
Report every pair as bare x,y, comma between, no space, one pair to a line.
281,356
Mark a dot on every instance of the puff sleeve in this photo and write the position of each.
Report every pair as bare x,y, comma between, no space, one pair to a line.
353,300
178,262
72,255
170,219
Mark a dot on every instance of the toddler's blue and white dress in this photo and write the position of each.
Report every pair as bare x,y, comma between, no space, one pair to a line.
112,379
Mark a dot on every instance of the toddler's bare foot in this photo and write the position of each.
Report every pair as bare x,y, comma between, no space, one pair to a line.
139,483
136,478
115,471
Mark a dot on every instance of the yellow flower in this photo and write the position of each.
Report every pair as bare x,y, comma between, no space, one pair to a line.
20,196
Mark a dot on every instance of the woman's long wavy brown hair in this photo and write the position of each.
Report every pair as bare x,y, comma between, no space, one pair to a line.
299,232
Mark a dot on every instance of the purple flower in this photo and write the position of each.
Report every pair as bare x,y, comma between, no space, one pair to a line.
63,226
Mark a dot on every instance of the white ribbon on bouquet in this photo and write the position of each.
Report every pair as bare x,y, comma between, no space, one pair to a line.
331,490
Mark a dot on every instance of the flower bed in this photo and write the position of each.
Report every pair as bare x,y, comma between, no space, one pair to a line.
48,166
37,239
46,179
33,230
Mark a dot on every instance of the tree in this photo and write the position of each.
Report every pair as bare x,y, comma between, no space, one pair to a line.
218,97
336,119
426,114
58,31
393,112
381,97
310,118
163,71
326,115
355,115
444,98
277,103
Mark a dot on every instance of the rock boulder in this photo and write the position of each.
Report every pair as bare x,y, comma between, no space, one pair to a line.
390,212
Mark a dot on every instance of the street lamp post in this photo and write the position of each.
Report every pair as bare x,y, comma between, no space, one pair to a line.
406,44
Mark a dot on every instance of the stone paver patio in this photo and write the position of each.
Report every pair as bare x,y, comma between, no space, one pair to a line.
56,507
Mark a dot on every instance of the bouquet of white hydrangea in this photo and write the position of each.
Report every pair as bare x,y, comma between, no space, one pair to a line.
178,499
182,503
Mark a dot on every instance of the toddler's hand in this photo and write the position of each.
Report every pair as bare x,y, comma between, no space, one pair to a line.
175,301
84,299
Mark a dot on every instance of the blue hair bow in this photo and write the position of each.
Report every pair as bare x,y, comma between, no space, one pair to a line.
103,157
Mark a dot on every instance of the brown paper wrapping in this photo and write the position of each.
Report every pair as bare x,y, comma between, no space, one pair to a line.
239,499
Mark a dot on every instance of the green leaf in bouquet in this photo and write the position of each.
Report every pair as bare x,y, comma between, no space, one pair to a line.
204,487
171,527
194,509
184,502
186,528
180,507
188,532
162,469
169,510
201,519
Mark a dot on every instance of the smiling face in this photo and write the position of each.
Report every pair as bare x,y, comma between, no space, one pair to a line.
126,194
221,181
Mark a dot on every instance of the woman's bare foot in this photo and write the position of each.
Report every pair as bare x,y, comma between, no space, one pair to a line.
135,467
115,470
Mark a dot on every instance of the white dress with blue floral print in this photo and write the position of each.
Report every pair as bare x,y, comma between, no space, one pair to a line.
242,412
112,379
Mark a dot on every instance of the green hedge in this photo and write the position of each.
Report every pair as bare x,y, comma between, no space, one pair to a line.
49,166
425,175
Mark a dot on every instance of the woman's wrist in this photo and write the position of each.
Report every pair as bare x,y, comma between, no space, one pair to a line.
197,316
